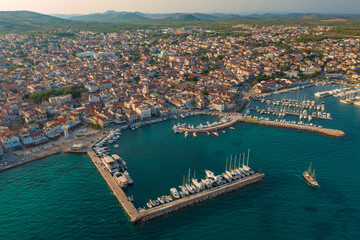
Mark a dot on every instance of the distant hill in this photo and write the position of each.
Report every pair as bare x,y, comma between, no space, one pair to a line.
15,21
187,18
204,16
111,16
113,21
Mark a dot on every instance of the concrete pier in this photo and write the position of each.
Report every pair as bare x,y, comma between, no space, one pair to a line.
175,205
196,198
234,120
118,192
240,118
325,131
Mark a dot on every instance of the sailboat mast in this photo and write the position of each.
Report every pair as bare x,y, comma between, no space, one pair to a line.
247,163
235,162
183,179
188,181
309,170
243,159
230,162
313,174
226,164
239,160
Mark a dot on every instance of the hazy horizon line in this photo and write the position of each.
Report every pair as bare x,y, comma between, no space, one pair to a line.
190,12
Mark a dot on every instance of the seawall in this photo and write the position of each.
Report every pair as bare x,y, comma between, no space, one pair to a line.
196,198
325,131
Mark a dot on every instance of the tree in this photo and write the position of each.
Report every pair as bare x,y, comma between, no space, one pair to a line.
204,92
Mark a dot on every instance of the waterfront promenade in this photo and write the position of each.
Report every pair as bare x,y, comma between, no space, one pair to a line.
61,145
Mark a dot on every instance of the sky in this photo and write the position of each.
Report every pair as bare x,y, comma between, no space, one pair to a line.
171,6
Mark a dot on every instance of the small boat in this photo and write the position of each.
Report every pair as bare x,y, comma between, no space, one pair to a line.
186,134
215,134
184,190
232,128
209,133
128,178
169,198
149,204
194,134
140,209
223,132
116,146
181,194
310,177
131,198
161,199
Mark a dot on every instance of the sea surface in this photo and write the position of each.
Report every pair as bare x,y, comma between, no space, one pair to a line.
64,197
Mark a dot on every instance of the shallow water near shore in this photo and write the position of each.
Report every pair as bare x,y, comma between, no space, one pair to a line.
64,197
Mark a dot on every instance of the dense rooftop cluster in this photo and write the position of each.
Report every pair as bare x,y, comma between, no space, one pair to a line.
48,82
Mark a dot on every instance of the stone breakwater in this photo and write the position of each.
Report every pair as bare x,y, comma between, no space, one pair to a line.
239,118
196,198
325,131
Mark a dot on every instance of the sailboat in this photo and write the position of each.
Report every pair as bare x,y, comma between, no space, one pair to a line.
310,177
245,170
228,171
226,176
233,170
188,185
239,169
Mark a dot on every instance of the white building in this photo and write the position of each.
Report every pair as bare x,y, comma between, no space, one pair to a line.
93,98
61,100
143,111
131,116
11,141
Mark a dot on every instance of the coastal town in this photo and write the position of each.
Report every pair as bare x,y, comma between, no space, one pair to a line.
53,84
197,119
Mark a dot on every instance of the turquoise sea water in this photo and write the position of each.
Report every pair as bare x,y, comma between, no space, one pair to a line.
64,197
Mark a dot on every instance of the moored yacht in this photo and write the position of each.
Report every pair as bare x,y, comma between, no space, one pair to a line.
190,188
209,174
174,192
207,183
198,183
121,179
184,190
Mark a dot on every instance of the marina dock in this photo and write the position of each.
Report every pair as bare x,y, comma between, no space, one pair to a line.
118,192
196,198
240,118
167,208
293,113
234,119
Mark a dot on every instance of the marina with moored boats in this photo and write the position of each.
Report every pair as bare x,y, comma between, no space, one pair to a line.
191,191
236,174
